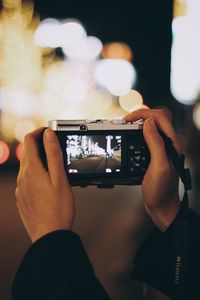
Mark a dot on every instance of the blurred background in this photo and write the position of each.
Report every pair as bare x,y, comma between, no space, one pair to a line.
95,59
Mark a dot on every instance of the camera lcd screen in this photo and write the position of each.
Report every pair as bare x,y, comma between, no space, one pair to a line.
93,154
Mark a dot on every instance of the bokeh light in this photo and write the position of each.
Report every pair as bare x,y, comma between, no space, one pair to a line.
71,114
76,90
86,48
131,101
38,85
116,75
117,51
196,115
21,103
48,34
14,4
70,32
22,128
185,63
99,101
19,151
4,152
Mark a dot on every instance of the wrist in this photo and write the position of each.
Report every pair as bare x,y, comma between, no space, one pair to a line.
45,231
163,216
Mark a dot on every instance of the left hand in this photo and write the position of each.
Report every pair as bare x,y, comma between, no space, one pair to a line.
44,198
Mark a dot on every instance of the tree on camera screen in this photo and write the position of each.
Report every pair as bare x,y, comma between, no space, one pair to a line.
93,154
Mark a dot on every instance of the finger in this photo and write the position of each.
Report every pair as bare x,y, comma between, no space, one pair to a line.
31,149
162,119
167,112
159,115
155,144
54,156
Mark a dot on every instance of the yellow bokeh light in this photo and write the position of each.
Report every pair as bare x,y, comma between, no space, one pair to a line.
37,85
131,101
99,101
180,8
196,115
12,4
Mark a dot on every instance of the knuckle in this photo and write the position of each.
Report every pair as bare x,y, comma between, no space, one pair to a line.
142,111
159,142
17,193
55,153
28,138
162,113
19,180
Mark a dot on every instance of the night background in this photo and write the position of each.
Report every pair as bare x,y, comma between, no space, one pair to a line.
144,25
39,81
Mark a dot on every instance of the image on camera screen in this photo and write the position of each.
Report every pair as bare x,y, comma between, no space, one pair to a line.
93,154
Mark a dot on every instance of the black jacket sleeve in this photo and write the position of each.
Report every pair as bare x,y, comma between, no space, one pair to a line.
57,267
154,260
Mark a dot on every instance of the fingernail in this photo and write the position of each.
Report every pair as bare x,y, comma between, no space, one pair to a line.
49,135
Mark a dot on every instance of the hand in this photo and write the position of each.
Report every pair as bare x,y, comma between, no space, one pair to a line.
44,198
160,183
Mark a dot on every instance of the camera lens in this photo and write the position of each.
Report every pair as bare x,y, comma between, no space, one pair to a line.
82,127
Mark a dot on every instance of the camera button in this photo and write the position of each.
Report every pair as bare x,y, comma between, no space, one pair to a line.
137,158
136,164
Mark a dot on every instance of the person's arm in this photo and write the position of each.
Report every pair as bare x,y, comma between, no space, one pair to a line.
56,266
160,183
154,262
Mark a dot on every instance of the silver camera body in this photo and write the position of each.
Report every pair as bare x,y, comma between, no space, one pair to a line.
102,152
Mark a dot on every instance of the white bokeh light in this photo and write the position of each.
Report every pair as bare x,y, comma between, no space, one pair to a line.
185,64
193,8
86,47
48,34
19,102
116,75
70,32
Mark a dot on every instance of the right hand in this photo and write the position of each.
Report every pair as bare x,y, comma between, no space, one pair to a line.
160,183
44,198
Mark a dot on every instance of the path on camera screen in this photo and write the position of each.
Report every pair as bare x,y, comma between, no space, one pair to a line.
95,164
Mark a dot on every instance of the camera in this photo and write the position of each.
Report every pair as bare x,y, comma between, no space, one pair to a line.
102,152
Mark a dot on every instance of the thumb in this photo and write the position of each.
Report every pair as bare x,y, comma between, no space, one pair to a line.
54,156
155,143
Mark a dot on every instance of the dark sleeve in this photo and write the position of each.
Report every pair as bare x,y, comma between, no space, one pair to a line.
154,260
57,267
